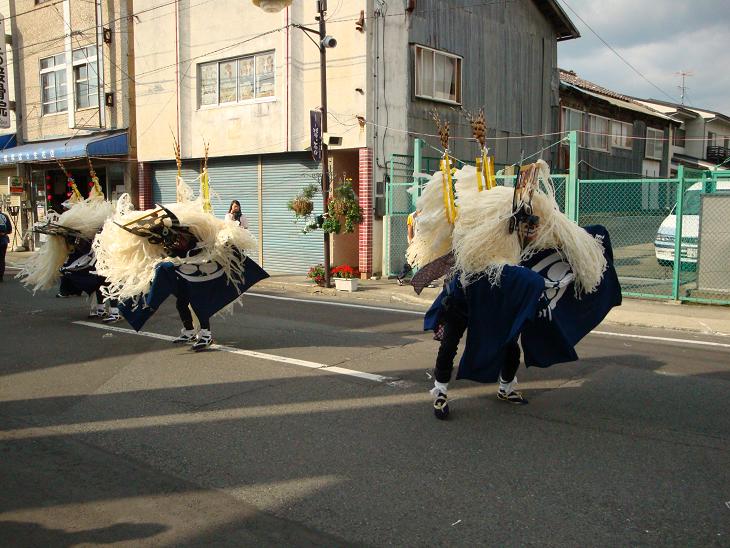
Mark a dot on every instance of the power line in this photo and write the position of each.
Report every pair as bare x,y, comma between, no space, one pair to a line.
632,67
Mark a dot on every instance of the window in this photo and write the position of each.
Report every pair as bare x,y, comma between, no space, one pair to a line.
679,138
654,143
53,84
438,75
621,133
572,120
236,80
86,77
598,132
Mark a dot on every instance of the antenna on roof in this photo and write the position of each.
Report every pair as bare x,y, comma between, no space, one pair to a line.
683,88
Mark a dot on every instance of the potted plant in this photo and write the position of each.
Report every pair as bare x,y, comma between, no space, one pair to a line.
343,205
303,207
316,274
346,278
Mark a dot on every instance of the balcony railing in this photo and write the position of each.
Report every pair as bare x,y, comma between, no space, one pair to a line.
717,154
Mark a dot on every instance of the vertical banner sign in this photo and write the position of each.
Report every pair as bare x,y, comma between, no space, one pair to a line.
4,87
315,122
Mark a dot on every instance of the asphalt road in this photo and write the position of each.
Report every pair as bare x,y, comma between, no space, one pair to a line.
111,437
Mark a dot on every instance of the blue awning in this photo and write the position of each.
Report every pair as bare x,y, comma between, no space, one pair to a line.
8,141
115,144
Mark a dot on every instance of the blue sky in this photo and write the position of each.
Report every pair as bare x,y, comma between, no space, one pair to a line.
659,38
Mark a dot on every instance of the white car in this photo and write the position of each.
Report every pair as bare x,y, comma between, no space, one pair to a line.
664,242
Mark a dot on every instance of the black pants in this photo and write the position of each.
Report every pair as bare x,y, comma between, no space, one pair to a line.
407,269
100,299
455,320
68,288
187,317
3,251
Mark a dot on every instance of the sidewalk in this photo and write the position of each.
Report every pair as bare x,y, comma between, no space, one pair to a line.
707,319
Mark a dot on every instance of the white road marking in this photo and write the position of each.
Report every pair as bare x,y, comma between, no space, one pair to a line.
249,353
346,305
663,339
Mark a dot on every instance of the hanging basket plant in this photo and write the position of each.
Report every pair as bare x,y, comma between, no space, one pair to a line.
303,207
302,204
343,208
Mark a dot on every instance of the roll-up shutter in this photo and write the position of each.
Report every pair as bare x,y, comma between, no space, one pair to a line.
286,249
236,179
164,178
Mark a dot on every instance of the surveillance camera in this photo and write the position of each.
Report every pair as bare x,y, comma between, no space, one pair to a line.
329,41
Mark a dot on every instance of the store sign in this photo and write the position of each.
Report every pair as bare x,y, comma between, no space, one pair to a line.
17,157
4,87
315,123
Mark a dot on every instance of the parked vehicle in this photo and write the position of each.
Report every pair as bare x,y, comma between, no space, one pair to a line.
664,241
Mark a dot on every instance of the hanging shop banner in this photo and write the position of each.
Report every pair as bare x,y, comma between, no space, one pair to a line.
4,87
315,123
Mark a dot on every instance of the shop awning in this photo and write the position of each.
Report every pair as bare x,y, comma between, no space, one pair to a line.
114,144
7,141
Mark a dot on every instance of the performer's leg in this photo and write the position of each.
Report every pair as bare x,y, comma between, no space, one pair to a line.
205,337
507,377
3,251
455,321
97,310
407,269
187,333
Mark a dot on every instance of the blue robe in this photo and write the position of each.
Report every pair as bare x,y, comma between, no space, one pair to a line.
207,294
549,320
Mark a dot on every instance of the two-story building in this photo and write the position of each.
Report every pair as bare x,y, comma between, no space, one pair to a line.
618,137
702,141
74,98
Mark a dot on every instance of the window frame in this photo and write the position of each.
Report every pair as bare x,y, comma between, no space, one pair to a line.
88,62
565,110
605,135
627,139
653,140
60,68
256,57
418,72
677,141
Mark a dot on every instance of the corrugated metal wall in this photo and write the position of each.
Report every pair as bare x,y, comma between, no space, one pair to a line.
509,68
285,249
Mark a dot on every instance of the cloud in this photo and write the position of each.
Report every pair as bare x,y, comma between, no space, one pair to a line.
659,38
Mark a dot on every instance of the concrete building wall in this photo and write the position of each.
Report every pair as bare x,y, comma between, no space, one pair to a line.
39,34
268,125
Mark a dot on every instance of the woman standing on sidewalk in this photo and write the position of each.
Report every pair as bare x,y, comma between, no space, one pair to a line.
235,214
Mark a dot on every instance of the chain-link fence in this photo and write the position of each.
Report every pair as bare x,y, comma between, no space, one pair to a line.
643,217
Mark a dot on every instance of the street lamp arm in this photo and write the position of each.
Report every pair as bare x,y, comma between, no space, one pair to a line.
307,29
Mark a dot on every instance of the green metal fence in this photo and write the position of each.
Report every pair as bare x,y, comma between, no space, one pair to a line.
644,218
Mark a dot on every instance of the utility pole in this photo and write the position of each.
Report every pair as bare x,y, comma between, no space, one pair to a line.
322,8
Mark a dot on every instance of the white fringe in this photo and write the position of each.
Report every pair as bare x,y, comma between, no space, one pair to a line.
128,261
41,271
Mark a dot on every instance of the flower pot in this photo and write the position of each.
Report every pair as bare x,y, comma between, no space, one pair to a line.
346,284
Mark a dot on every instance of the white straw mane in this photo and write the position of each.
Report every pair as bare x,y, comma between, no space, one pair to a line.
128,261
41,271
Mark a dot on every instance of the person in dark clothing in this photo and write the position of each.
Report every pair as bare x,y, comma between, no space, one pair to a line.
452,322
6,228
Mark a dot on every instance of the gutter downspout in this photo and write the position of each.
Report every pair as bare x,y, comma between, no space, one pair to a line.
70,84
177,74
288,61
100,65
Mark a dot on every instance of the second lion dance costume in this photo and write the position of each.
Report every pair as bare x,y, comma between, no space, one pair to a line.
67,254
521,273
178,249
